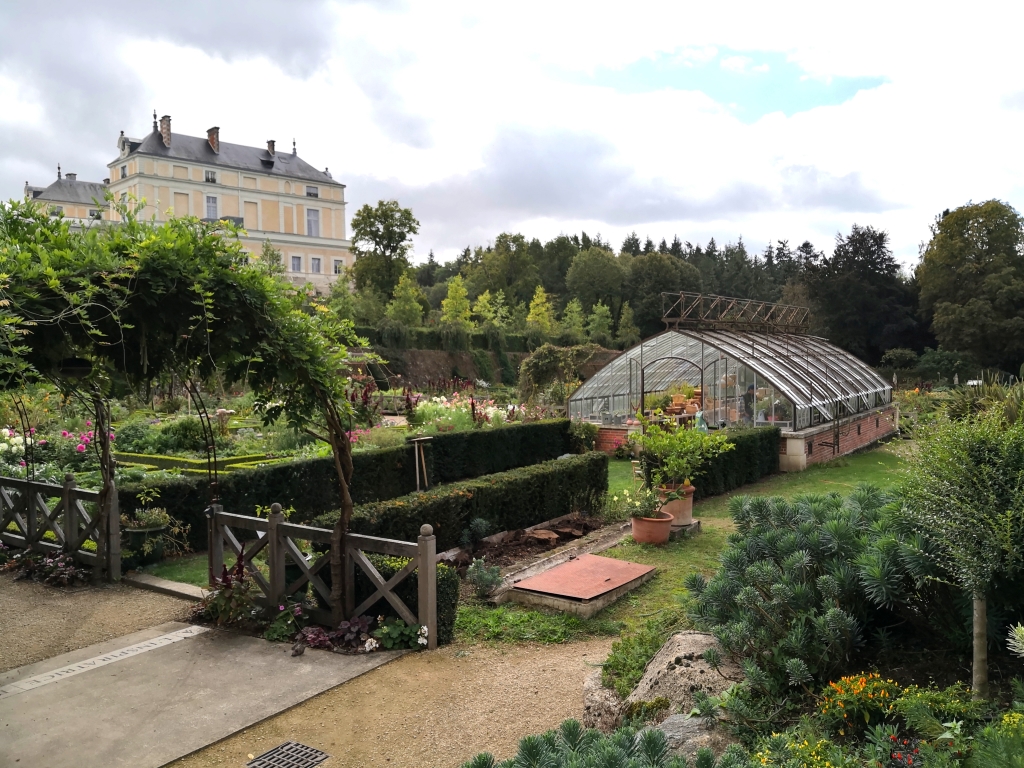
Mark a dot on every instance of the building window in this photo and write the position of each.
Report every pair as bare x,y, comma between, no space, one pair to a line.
313,222
94,213
312,192
124,197
211,207
314,265
339,267
56,210
810,448
211,177
296,263
124,171
858,429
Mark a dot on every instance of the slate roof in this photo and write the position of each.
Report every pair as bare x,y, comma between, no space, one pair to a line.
68,191
194,149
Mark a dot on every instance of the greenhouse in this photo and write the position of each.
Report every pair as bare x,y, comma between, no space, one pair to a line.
731,377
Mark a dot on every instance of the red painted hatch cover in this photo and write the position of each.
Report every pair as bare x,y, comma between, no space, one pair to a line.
586,577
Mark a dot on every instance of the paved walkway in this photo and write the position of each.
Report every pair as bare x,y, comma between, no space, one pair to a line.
143,700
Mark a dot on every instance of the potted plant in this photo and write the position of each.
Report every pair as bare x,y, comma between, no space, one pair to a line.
649,524
675,456
145,528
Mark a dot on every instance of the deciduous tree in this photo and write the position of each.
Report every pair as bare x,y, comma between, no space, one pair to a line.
381,239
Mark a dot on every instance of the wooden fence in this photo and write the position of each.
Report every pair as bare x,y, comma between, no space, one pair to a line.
279,538
30,509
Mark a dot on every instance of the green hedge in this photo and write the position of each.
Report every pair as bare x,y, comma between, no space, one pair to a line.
454,456
508,500
180,462
311,485
756,454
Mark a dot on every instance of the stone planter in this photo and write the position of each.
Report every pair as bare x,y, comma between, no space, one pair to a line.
137,538
652,530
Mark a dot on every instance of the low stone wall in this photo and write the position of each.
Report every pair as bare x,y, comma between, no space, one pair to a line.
798,450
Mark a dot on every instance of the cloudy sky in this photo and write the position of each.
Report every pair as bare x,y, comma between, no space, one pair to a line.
761,121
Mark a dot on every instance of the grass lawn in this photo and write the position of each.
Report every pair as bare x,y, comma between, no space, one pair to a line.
189,569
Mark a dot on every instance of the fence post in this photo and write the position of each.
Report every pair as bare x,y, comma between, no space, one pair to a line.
275,556
28,496
215,542
71,523
427,582
113,563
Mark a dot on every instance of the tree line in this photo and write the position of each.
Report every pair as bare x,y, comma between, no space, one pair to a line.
960,308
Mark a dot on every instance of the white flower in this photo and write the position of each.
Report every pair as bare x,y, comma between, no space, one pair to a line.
4,447
422,641
423,630
371,645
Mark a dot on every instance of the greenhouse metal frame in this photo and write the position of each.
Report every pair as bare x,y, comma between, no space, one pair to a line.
750,376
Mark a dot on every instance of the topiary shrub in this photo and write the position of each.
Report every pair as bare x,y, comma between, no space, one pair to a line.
754,455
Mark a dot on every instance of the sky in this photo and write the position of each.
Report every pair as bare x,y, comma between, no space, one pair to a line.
758,121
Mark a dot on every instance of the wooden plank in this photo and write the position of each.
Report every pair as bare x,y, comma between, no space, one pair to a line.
384,589
307,532
385,546
427,584
247,522
308,574
237,548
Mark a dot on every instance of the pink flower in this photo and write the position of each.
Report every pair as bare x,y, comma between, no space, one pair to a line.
64,433
42,442
32,430
86,441
88,423
80,448
21,463
90,433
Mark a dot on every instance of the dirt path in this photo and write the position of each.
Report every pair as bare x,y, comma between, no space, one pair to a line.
429,710
39,621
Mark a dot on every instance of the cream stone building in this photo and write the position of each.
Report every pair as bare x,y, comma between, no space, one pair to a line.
275,196
80,201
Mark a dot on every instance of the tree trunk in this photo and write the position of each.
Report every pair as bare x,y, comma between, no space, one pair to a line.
980,667
341,448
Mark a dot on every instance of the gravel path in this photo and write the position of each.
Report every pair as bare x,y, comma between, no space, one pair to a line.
40,621
429,710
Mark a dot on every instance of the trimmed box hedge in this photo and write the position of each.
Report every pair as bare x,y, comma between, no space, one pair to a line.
509,500
311,485
756,454
180,462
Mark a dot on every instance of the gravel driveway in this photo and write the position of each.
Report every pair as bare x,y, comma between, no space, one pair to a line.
429,710
40,621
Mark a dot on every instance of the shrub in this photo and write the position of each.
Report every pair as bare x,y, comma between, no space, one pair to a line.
800,583
574,745
582,435
484,578
853,698
509,500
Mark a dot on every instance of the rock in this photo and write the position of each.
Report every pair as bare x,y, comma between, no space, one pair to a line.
602,707
542,534
678,669
687,734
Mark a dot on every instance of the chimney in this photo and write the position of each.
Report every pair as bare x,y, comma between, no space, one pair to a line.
270,146
293,146
58,171
71,176
213,136
165,129
107,182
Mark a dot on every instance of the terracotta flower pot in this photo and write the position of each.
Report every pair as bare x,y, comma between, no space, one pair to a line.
652,530
680,509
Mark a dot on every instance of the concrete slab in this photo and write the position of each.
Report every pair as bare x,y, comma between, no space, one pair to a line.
164,586
147,709
582,586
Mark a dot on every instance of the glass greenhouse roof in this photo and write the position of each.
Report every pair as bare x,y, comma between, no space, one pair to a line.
793,380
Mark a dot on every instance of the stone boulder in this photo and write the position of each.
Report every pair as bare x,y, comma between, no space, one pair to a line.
678,670
687,734
602,707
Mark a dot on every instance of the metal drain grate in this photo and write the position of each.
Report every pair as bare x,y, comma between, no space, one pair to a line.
291,754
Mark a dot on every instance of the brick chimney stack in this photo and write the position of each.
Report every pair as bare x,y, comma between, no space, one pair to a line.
165,129
270,146
213,136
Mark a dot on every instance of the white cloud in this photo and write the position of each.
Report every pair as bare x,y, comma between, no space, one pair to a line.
463,110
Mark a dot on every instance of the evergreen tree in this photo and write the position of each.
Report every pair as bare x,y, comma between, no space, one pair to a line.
676,249
599,325
628,334
648,246
571,331
631,245
405,307
455,309
426,274
541,318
